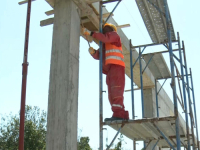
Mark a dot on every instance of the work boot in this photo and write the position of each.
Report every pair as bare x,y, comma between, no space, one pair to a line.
113,119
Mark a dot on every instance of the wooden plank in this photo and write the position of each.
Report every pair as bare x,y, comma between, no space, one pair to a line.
50,12
123,26
24,2
83,6
92,1
46,22
146,87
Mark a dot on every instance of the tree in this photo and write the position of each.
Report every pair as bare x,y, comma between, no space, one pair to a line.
35,130
119,144
83,144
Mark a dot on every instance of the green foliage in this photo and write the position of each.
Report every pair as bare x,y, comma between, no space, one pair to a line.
119,144
35,130
83,144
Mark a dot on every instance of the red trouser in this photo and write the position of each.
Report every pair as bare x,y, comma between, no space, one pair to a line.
115,80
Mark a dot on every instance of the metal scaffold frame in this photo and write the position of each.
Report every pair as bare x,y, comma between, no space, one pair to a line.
183,75
100,74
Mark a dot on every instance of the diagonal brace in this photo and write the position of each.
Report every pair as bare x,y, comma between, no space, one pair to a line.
115,136
112,11
138,57
148,63
163,135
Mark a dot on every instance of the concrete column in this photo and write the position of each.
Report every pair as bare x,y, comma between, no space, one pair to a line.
150,109
64,72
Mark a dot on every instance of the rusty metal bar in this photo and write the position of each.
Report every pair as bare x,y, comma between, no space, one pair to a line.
24,79
178,74
181,103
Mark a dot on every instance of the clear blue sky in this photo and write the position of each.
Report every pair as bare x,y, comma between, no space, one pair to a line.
185,17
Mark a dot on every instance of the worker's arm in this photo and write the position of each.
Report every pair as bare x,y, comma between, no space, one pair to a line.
94,53
110,37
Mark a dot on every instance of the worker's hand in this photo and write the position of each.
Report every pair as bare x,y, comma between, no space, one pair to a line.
86,34
91,33
92,51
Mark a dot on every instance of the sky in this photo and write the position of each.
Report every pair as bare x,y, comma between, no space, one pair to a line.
184,15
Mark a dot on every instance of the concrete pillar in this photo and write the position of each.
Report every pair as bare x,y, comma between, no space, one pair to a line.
64,72
150,109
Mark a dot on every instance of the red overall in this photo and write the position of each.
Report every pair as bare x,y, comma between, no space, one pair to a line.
115,78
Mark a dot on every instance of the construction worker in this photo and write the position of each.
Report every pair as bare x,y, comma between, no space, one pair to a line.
113,67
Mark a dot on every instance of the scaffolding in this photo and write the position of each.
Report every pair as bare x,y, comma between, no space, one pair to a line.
165,132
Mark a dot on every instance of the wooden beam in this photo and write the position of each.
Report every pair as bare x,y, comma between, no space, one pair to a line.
50,21
123,26
146,87
92,1
50,12
83,6
46,22
106,15
24,2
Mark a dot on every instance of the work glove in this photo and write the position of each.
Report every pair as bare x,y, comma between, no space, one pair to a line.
92,51
91,33
87,35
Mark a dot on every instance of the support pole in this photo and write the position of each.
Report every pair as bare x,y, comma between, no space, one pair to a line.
195,115
100,82
141,85
141,82
24,80
189,99
157,109
132,90
184,94
173,84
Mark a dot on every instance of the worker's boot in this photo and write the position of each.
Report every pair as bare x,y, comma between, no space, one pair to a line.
119,115
113,119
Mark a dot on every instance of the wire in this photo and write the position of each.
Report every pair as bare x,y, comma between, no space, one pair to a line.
134,21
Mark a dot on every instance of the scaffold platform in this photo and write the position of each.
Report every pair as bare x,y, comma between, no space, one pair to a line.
150,129
153,14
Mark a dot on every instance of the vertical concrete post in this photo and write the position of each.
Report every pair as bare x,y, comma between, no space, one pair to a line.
64,72
150,109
